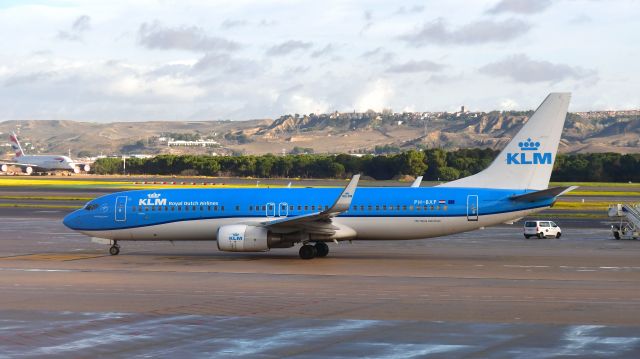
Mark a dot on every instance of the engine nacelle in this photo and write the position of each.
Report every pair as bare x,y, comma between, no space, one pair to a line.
4,168
243,238
86,168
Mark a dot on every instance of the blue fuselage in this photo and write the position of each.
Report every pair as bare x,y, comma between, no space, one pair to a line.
114,214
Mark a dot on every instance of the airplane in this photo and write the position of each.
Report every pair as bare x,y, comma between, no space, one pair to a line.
260,219
417,182
40,163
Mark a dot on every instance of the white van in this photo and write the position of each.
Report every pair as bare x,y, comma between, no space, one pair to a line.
541,229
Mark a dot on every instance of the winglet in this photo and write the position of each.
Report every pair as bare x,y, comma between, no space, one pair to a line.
417,182
344,201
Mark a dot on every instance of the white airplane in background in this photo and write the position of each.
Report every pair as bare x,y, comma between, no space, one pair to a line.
40,163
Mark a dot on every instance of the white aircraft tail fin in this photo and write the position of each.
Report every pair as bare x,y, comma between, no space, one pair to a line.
15,144
527,160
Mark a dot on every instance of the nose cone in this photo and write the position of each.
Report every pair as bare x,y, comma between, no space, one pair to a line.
71,220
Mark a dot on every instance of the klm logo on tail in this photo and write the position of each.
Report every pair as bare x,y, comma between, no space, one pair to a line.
529,155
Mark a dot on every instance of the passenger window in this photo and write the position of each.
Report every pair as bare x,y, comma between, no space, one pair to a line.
313,208
418,208
251,208
306,208
377,207
209,208
326,207
432,207
194,208
384,207
173,208
215,208
146,209
202,208
391,207
362,207
404,208
237,208
139,208
291,208
444,208
222,208
370,207
166,208
355,208
186,208
133,209
179,208
411,208
299,208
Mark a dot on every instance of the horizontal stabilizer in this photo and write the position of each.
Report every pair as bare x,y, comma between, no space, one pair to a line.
543,194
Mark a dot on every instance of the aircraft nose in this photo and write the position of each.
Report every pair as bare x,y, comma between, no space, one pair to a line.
71,220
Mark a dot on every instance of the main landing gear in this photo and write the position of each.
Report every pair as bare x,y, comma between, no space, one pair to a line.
308,251
115,249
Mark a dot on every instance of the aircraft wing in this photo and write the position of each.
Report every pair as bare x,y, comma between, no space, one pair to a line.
18,164
319,222
543,194
417,182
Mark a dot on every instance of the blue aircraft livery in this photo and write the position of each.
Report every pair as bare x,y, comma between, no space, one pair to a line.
260,219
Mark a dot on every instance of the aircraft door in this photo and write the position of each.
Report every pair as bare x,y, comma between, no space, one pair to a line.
472,207
121,209
271,209
283,209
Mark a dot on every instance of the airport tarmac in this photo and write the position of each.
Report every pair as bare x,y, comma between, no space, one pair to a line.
488,293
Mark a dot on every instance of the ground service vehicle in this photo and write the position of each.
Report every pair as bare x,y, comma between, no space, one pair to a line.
541,229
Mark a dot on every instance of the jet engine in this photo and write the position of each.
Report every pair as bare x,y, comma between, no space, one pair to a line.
4,168
245,238
86,168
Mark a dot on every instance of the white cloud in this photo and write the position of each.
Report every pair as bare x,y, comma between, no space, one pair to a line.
509,104
204,60
376,96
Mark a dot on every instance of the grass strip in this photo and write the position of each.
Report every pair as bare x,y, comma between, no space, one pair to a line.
48,198
603,193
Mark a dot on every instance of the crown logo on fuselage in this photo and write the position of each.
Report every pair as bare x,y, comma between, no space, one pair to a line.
153,199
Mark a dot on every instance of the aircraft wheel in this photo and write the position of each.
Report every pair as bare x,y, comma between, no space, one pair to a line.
322,249
114,250
308,251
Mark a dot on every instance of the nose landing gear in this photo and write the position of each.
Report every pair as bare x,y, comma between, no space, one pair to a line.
115,249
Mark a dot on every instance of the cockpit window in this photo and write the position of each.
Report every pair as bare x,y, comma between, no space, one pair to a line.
91,206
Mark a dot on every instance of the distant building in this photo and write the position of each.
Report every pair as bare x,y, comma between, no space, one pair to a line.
197,143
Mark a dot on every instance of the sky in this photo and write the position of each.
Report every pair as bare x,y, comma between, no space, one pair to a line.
188,60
